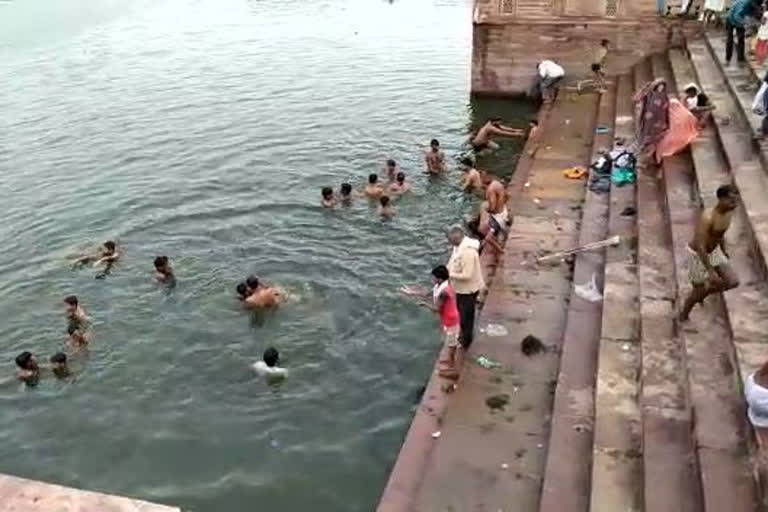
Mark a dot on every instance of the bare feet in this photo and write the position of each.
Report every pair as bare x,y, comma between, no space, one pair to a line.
449,373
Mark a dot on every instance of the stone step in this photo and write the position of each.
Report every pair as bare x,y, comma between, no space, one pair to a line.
616,456
494,429
745,309
670,478
568,470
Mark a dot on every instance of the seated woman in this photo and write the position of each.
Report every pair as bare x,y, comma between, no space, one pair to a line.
683,129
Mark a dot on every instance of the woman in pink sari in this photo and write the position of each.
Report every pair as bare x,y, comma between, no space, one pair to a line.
683,129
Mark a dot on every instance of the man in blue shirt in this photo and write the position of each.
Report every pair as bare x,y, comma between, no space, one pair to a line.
736,21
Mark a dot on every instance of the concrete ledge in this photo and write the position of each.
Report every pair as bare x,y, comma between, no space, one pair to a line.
22,495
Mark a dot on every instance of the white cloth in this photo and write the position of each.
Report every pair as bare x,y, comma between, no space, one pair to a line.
757,400
502,218
261,368
757,103
691,103
715,5
549,69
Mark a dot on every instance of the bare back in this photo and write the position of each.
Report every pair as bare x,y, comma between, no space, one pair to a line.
496,197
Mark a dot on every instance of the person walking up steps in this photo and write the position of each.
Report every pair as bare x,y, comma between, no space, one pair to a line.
708,268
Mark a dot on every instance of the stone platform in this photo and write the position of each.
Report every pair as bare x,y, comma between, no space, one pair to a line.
22,495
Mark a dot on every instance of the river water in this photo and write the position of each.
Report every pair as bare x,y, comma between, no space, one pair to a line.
204,129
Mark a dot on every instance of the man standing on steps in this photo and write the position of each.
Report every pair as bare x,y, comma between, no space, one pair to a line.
466,276
708,268
736,21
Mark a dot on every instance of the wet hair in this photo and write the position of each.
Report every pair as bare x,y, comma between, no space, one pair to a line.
434,142
59,358
109,244
160,262
534,122
467,161
724,191
384,200
271,356
373,178
252,282
24,359
242,290
71,300
346,189
400,177
327,192
604,42
391,163
441,272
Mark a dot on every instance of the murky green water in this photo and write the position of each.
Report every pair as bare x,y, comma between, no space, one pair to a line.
204,130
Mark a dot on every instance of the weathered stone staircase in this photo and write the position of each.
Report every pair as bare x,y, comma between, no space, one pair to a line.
629,411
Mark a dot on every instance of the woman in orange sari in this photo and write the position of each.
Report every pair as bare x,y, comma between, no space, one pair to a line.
683,129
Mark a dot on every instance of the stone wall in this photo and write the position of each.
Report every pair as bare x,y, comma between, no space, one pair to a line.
505,52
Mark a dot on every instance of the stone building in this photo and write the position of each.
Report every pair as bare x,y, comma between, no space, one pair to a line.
512,36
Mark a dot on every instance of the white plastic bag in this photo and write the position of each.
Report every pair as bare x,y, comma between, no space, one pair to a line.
588,291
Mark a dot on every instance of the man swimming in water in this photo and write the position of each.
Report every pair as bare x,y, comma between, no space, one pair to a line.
29,371
708,267
75,314
242,291
482,141
434,158
391,169
385,207
471,179
328,200
163,270
261,296
267,367
59,365
78,338
107,255
373,190
496,195
345,193
400,186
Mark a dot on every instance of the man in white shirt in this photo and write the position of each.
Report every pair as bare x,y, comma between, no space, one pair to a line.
548,77
268,366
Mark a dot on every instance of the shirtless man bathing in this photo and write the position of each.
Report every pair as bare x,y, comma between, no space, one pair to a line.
496,195
482,141
708,268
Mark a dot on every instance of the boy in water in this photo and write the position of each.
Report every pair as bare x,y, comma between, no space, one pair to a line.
400,186
59,365
74,312
108,255
29,371
385,208
471,179
261,296
267,367
434,158
77,337
242,291
373,190
329,200
163,270
345,193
